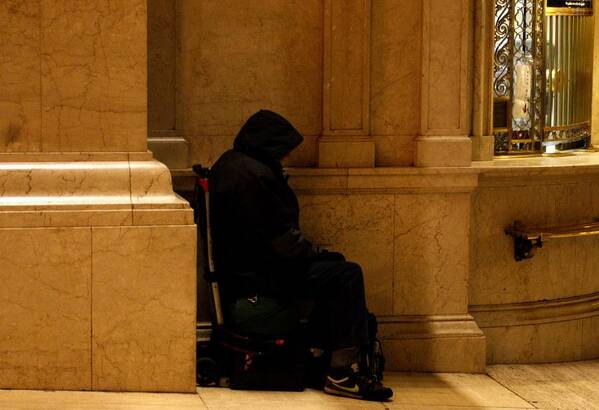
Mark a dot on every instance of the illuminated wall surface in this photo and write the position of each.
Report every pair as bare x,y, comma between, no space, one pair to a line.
403,104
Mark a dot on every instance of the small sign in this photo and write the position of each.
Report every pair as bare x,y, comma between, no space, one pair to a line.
569,7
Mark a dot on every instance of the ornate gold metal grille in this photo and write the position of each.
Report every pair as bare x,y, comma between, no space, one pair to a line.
541,76
569,77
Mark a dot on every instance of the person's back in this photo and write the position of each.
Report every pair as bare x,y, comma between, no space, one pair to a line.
259,249
254,213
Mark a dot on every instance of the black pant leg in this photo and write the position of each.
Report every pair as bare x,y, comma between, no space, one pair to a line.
338,289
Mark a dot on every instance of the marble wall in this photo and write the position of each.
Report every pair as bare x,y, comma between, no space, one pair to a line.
97,251
396,58
541,309
595,93
409,230
233,59
162,67
56,99
92,299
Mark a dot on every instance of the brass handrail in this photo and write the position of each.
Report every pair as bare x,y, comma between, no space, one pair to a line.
527,240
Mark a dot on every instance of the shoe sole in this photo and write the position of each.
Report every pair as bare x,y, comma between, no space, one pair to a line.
342,393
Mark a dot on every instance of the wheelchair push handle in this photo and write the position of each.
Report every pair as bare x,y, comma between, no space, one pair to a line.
202,173
203,221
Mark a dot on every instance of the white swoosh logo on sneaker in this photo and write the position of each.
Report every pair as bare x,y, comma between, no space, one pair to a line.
338,381
354,389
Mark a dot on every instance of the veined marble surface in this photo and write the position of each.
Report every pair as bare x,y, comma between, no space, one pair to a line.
567,163
73,76
88,192
541,309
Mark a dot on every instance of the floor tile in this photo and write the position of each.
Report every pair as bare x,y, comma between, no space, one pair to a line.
553,386
219,398
38,400
444,389
428,407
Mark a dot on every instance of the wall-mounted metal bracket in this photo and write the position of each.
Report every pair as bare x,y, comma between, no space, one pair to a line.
525,245
527,240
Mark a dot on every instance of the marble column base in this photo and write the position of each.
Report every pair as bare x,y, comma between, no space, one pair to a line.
346,152
172,151
443,152
549,331
483,147
451,343
98,278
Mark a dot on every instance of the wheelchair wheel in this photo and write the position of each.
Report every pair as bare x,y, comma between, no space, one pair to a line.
206,372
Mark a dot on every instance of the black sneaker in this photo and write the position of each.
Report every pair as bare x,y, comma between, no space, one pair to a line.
349,382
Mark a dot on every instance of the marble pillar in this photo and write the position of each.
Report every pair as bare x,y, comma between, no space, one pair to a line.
482,93
595,102
345,140
445,90
167,145
98,252
431,328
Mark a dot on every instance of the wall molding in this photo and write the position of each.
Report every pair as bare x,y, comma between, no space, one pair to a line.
533,313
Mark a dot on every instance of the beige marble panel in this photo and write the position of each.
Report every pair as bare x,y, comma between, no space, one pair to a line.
94,76
562,268
482,74
163,217
66,156
206,149
361,227
595,93
443,152
543,343
151,186
59,180
443,354
346,66
45,316
72,218
238,57
171,151
590,338
394,150
305,155
483,147
396,59
20,94
439,343
346,152
144,309
162,63
446,43
431,254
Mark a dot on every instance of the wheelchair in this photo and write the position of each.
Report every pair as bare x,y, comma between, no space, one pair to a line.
231,359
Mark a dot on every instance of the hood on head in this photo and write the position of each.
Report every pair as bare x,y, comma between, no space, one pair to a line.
268,136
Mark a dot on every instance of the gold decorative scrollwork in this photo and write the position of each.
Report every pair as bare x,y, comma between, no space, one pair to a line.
502,55
538,97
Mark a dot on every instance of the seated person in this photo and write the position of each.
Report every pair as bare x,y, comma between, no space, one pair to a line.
261,252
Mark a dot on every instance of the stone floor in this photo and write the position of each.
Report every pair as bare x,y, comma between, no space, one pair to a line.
553,386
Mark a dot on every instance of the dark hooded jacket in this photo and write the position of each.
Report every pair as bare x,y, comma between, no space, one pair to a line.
258,247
